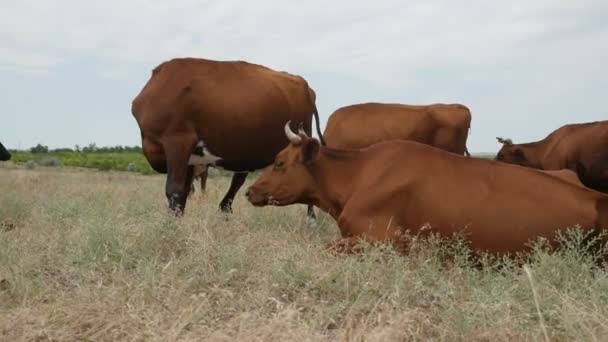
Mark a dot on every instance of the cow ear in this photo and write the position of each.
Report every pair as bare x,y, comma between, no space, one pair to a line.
518,153
310,150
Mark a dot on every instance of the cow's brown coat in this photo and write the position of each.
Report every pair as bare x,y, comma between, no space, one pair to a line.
236,108
377,192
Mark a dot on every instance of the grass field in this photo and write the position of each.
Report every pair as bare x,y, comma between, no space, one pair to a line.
92,256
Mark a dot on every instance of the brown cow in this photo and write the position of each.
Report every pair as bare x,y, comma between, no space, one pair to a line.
582,148
567,175
360,125
221,113
378,192
356,126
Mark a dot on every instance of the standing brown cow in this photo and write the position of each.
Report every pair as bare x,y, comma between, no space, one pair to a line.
582,148
223,113
379,192
444,126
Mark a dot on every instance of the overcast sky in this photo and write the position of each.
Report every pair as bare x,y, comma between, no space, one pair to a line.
69,69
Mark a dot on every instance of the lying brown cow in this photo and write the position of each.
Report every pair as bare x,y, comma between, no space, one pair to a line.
377,192
567,175
582,148
444,126
224,113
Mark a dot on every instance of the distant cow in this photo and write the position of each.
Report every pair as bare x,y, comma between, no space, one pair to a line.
378,192
4,153
582,148
444,126
224,113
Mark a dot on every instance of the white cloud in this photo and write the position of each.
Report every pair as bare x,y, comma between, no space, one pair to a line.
383,41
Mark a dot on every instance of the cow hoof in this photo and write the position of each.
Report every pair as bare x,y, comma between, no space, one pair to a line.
226,209
311,222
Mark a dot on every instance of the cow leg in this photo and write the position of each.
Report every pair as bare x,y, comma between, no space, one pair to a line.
192,187
203,179
311,217
238,179
179,177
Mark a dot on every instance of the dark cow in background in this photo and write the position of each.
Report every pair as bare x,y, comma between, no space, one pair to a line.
4,153
444,126
582,148
225,113
379,192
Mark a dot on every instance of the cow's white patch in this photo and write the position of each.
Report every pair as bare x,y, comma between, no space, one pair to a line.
206,159
202,157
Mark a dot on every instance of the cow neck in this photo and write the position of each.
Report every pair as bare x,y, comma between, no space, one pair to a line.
334,172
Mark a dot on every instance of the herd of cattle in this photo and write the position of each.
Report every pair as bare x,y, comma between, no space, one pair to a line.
378,169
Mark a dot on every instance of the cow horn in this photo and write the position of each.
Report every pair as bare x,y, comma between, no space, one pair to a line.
301,130
294,138
504,141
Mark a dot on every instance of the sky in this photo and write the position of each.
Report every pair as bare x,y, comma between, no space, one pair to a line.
70,69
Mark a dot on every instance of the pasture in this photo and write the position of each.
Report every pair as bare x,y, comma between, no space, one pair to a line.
93,256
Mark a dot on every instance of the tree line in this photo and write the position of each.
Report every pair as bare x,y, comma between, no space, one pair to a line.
90,148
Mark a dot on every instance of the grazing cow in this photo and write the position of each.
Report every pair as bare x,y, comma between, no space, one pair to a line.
582,148
444,126
217,113
378,192
4,153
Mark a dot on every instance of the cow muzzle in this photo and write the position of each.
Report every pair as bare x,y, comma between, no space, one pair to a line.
259,199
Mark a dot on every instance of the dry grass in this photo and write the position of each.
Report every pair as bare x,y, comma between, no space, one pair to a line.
87,256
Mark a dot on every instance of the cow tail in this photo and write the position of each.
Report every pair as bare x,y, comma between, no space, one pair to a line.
316,113
312,98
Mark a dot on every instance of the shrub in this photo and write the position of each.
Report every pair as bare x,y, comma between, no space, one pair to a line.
132,167
50,161
30,164
39,149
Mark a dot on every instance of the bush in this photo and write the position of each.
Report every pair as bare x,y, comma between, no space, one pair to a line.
50,161
132,167
30,164
118,161
39,149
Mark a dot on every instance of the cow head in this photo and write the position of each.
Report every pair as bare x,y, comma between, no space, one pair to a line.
288,180
511,153
4,154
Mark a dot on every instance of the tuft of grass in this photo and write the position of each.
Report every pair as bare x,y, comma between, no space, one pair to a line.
94,256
